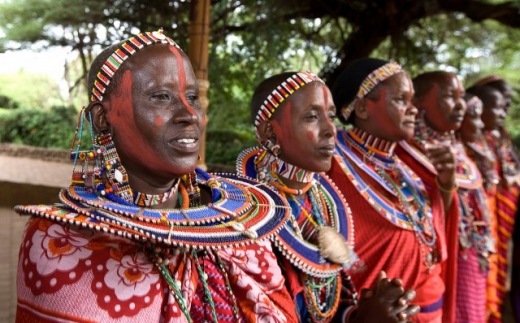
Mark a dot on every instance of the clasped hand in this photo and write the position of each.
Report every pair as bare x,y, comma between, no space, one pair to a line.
386,301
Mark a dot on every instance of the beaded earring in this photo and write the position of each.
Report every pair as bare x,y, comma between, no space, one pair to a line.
85,157
113,176
101,167
273,148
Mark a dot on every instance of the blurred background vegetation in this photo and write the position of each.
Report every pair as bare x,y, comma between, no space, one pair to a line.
249,40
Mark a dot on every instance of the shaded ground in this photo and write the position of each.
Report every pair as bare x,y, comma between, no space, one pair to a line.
22,181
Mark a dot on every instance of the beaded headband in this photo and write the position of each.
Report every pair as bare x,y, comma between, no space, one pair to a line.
488,79
281,93
472,104
370,82
120,55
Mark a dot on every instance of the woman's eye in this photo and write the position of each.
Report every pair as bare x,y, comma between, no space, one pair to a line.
161,97
192,97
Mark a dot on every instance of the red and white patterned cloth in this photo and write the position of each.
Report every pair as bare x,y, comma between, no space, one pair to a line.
71,274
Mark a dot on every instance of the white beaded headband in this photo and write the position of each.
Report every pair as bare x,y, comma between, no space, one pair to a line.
281,93
370,82
120,55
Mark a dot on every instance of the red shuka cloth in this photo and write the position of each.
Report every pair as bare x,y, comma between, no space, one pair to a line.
66,273
382,245
451,218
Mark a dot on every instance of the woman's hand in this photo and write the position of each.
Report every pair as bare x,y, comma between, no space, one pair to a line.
387,301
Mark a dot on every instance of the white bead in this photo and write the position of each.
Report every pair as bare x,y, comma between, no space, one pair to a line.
118,176
237,226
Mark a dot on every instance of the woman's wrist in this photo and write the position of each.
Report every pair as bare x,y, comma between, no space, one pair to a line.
450,188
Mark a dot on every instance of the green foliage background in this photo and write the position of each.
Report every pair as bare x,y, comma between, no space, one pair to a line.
38,127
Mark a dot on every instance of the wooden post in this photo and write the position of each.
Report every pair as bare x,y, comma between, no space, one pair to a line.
198,54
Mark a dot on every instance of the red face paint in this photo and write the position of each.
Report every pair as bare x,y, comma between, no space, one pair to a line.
147,126
326,96
391,117
283,129
123,119
158,121
182,78
303,128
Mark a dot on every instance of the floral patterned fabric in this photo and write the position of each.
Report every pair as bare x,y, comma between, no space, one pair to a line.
66,273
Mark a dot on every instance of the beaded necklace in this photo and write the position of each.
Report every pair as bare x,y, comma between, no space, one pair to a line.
241,211
147,200
507,155
411,186
467,176
319,276
412,212
302,254
160,256
475,226
484,158
475,217
269,163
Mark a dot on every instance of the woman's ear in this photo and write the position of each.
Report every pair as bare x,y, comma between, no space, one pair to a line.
99,117
266,131
360,109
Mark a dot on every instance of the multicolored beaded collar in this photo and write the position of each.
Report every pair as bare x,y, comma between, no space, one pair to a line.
281,93
120,55
485,159
267,162
241,212
467,175
413,188
303,254
143,199
370,82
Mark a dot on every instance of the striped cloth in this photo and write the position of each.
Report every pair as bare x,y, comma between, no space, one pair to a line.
506,207
471,289
506,210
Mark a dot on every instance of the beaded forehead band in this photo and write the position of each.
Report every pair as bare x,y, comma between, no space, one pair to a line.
281,93
487,80
120,55
472,104
370,82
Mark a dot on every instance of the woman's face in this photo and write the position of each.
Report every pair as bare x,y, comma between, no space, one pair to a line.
444,104
392,115
472,125
304,130
494,113
155,114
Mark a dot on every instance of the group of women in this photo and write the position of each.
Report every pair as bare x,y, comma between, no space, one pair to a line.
401,215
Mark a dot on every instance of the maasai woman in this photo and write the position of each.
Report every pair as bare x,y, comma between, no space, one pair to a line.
439,97
399,218
293,114
141,234
477,148
509,188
